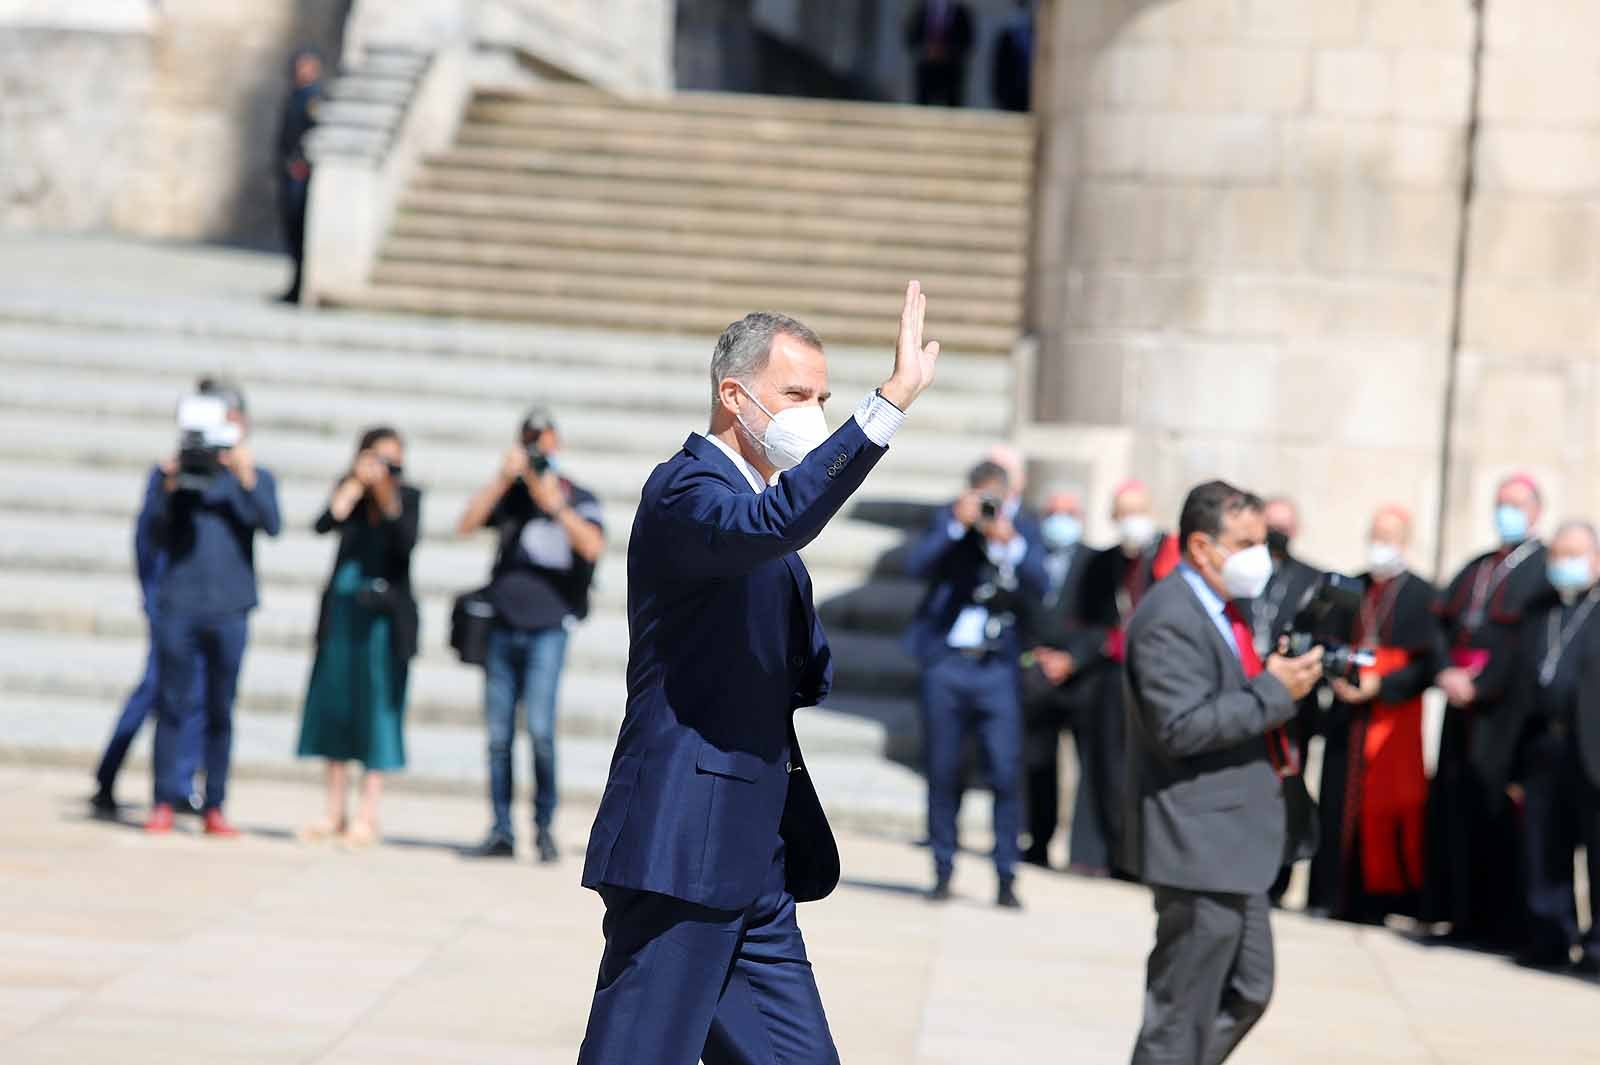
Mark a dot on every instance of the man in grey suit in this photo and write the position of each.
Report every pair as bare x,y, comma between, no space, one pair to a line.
1205,819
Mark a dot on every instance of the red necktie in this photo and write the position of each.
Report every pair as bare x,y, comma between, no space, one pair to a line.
1285,759
1245,641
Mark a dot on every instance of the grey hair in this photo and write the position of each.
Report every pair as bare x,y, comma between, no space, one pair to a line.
745,347
1578,524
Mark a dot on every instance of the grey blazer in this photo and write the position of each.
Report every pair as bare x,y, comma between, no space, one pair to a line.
1205,810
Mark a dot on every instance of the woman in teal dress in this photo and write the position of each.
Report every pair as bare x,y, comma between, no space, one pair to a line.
366,636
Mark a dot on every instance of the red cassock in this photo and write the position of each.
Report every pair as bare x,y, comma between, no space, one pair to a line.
1388,788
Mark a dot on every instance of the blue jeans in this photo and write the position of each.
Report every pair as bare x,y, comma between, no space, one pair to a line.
141,703
961,694
187,645
523,667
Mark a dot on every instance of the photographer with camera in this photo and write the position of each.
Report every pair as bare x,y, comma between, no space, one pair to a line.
551,534
1210,768
1374,789
217,499
366,635
983,575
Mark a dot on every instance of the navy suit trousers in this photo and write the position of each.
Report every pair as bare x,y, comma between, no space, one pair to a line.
961,694
187,644
681,983
141,703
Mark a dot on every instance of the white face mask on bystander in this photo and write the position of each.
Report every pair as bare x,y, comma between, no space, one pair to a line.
792,433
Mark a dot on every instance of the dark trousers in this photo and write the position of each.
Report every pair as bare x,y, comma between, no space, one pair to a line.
141,702
293,197
1210,976
941,83
524,666
1562,813
1102,740
1047,711
187,645
681,983
982,695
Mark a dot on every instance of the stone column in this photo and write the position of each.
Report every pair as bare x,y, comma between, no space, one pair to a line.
1247,220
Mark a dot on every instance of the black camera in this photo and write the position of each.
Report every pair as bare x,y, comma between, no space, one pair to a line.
538,461
204,433
1327,604
989,507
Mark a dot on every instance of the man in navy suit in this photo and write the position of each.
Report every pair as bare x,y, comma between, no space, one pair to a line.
710,830
984,575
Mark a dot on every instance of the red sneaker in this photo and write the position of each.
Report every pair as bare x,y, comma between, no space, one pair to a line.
160,819
217,825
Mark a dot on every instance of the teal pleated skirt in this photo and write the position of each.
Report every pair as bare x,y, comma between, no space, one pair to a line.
356,701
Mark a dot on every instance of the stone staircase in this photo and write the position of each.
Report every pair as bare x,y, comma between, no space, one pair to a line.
88,404
569,206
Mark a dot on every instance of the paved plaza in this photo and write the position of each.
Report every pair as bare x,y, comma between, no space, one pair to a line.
123,949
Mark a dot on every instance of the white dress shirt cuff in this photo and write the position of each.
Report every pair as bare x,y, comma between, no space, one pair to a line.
879,419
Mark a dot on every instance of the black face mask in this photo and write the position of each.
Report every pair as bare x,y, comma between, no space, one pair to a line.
1278,543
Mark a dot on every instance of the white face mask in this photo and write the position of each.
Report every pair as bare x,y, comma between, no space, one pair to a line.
1385,560
792,433
1245,573
1137,531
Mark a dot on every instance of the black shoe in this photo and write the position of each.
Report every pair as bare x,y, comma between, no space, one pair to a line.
941,889
547,847
1543,961
1589,966
1006,898
493,847
103,806
1037,857
193,806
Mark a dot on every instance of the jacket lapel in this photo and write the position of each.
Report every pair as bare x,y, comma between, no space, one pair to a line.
1218,644
713,456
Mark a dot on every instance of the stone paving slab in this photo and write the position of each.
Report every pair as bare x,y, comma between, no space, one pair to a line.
115,947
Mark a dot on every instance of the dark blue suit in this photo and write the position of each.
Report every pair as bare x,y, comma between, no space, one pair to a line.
710,829
975,688
150,561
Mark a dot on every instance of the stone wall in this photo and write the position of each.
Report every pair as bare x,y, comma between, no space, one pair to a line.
1527,386
160,126
1247,227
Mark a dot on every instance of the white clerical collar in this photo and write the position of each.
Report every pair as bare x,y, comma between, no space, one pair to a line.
749,471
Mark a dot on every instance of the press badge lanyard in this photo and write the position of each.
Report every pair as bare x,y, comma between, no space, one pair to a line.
1559,635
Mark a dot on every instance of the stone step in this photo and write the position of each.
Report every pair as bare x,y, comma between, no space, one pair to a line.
907,183
372,88
861,793
467,360
273,681
889,231
670,143
394,62
752,249
720,296
107,603
614,477
456,303
361,113
750,106
841,558
713,266
588,418
774,206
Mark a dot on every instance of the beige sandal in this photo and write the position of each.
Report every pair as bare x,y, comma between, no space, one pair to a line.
320,831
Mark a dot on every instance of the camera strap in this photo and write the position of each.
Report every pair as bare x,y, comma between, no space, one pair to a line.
1558,636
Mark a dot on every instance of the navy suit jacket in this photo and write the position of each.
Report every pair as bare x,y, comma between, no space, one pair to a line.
724,646
955,569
